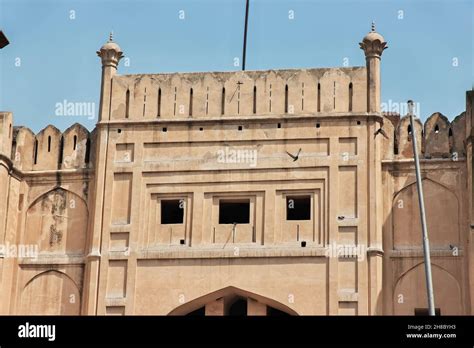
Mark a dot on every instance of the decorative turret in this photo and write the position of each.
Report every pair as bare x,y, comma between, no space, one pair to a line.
110,53
373,45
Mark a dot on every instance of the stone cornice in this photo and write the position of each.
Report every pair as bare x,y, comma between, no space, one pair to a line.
236,119
6,162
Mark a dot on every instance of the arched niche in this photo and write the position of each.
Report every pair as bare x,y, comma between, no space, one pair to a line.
225,301
442,216
50,293
410,291
57,222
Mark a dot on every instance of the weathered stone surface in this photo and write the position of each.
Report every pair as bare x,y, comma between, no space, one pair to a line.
236,192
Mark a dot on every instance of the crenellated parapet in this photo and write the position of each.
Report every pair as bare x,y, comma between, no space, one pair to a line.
458,138
76,147
24,144
436,138
404,137
6,132
50,149
246,93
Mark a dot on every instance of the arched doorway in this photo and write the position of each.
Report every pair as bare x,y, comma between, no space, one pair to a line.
232,301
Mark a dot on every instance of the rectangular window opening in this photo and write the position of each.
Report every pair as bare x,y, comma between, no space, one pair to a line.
234,211
298,207
172,211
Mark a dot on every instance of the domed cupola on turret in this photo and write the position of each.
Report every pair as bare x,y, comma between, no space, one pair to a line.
373,45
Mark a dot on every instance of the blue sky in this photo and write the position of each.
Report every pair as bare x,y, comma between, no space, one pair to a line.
51,57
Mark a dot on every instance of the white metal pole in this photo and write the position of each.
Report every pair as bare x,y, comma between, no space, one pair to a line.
426,242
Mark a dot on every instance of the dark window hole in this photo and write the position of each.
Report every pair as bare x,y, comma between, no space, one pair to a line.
234,211
172,211
298,208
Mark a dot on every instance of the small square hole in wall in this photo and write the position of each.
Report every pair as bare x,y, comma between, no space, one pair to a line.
279,125
165,129
119,131
201,129
303,244
358,123
181,241
318,125
240,128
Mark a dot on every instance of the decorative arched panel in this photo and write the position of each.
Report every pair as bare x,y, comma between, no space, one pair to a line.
442,215
57,223
226,298
410,291
50,293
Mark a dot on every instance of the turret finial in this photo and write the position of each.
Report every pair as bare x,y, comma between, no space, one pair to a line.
373,26
110,52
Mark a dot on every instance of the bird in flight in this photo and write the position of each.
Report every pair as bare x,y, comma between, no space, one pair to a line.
295,157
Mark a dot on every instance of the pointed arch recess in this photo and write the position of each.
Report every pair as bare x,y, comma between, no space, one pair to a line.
229,291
